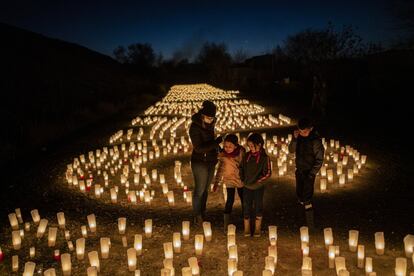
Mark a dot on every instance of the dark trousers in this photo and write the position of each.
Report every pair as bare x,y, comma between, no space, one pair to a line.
203,173
253,202
230,199
304,186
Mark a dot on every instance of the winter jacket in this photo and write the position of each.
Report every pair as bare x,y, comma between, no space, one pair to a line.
205,148
309,153
228,168
255,169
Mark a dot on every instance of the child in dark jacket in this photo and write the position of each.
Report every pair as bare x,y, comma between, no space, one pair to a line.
254,170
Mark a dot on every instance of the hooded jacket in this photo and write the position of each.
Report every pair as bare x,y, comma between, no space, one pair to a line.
205,148
309,153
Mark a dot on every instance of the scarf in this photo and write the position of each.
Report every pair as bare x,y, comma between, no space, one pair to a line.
255,155
234,153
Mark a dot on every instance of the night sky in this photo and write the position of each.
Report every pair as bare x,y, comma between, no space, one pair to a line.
254,26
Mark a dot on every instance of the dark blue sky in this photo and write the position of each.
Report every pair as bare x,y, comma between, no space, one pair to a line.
254,26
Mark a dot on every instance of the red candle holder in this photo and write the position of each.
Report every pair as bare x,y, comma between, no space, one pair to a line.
1,256
88,188
56,257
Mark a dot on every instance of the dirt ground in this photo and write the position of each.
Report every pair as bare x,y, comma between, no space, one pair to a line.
380,199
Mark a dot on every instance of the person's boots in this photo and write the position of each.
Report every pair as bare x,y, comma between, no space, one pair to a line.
246,227
198,220
258,226
226,219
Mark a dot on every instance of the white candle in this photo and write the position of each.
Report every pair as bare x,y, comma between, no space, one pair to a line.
186,271
231,266
67,235
15,263
16,240
32,252
121,225
13,221
114,195
50,272
138,243
148,228
400,266
207,230
61,220
368,265
92,271
35,216
198,244
29,269
273,234
168,250
231,229
409,245
92,222
193,263
238,273
27,226
231,240
267,272
323,185
270,264
186,230
307,263
52,236
305,249
170,196
177,242
84,231
80,248
42,228
379,243
304,234
331,255
66,264
105,246
353,240
340,264
328,236
132,259
361,256
94,259
272,252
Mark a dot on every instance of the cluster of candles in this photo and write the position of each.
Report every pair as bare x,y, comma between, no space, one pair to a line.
77,251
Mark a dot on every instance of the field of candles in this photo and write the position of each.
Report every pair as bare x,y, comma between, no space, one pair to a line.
124,206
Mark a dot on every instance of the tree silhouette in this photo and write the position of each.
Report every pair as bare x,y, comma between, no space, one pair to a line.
141,55
120,54
216,60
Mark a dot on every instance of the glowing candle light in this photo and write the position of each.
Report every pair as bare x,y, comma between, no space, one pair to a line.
341,179
177,242
66,264
27,226
94,259
400,266
361,256
168,250
330,175
164,188
137,272
233,252
92,271
379,243
35,216
409,245
272,252
186,271
304,234
193,263
307,263
207,230
50,272
305,249
16,240
198,244
52,236
339,264
238,273
273,234
105,246
328,236
186,230
121,225
70,246
15,263
231,240
350,175
13,221
267,272
162,179
32,252
61,220
270,264
42,228
353,240
343,272
331,255
92,222
231,229
231,266
124,241
84,231
132,259
170,196
368,265
80,248
148,228
29,269
323,185
138,243
114,195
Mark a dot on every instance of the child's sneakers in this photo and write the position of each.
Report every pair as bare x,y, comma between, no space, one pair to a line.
308,206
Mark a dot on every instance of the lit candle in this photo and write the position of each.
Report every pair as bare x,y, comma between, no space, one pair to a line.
13,221
328,236
177,242
305,249
29,269
121,225
27,226
170,196
353,240
198,243
138,243
350,175
304,234
16,240
231,266
270,264
307,263
105,246
148,228
42,228
267,272
67,235
379,243
233,252
231,240
186,230
331,255
168,250
94,259
114,195
80,248
66,264
272,252
340,264
92,271
61,220
368,265
330,175
15,263
272,234
343,272
1,255
409,245
84,231
51,241
35,216
323,185
132,259
124,241
70,246
341,179
238,273
92,222
32,252
207,230
186,271
400,266
137,272
50,272
193,263
361,256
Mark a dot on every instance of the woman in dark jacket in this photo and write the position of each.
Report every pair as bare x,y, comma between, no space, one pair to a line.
204,155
